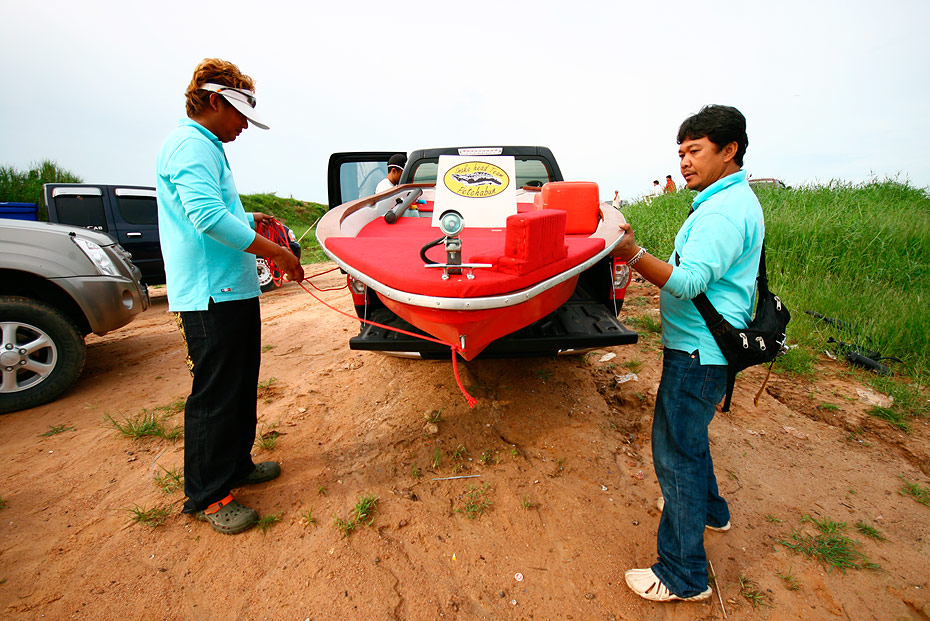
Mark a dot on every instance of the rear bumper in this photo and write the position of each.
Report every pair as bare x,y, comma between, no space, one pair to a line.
577,325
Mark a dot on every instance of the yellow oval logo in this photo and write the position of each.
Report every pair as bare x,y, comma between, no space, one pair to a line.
476,180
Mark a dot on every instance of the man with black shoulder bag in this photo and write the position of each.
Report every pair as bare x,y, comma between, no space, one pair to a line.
717,255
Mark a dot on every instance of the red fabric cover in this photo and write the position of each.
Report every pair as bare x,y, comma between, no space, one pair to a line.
533,239
577,198
390,253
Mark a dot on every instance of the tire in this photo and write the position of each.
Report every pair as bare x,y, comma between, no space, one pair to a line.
41,353
265,277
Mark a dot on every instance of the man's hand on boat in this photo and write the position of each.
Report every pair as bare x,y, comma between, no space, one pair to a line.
652,269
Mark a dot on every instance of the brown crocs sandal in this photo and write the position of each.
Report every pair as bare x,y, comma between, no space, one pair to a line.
264,471
228,516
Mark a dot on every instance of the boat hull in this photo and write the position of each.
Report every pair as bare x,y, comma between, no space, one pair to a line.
474,330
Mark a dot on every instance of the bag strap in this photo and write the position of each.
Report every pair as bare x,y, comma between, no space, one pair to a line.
714,320
717,324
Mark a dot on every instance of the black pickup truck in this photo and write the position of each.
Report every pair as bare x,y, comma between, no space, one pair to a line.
128,214
588,320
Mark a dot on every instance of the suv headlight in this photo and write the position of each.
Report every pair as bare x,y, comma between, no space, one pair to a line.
97,256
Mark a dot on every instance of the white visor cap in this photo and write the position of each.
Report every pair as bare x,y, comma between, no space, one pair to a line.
241,99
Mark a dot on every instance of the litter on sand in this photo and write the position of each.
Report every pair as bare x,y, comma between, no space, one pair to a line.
607,357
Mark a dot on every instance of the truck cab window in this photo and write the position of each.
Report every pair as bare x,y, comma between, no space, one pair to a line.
83,211
138,209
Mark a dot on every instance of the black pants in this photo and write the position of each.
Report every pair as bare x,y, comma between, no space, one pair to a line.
224,345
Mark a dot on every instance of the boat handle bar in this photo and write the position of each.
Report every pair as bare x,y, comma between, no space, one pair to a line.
398,210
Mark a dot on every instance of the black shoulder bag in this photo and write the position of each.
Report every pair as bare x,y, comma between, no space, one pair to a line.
760,342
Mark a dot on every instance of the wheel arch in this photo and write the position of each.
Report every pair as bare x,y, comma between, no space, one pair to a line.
25,284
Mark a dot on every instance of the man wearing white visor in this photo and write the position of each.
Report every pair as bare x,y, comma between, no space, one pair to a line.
208,242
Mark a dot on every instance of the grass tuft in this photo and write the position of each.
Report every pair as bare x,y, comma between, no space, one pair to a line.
308,518
171,480
869,531
145,424
150,517
791,583
753,594
476,501
915,491
267,440
267,521
362,515
830,547
54,430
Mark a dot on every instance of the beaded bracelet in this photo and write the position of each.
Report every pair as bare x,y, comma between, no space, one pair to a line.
636,257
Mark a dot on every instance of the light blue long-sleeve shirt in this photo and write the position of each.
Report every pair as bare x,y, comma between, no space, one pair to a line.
202,225
719,246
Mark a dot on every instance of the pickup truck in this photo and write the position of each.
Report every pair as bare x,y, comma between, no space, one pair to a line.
588,320
57,285
129,214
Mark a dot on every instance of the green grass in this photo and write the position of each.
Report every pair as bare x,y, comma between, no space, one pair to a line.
475,501
752,593
362,515
171,480
308,518
267,440
2,503
791,583
914,490
150,517
267,521
434,416
25,186
296,214
54,430
144,425
869,531
858,253
830,546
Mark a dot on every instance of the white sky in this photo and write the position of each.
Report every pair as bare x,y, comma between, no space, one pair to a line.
831,90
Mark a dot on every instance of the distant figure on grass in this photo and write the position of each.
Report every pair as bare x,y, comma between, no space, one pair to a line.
208,243
395,168
669,184
719,246
616,202
656,188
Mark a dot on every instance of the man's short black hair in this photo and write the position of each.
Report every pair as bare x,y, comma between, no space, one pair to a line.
721,124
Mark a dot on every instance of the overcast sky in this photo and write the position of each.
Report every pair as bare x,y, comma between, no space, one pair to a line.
831,90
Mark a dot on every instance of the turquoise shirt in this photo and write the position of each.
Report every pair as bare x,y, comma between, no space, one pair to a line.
719,246
202,225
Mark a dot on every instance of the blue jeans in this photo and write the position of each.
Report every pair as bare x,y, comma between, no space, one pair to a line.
224,346
685,405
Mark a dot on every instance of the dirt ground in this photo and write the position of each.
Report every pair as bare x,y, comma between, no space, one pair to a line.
560,449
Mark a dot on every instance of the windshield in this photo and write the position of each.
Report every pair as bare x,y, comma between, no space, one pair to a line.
529,171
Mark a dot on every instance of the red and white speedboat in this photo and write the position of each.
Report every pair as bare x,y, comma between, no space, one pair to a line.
471,287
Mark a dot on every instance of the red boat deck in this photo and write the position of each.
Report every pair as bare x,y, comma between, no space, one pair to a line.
527,252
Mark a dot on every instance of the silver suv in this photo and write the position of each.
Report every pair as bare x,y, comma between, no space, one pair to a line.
57,285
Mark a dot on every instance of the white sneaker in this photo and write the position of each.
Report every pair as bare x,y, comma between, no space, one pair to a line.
647,585
660,503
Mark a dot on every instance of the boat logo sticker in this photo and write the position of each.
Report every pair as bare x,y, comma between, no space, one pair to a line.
476,179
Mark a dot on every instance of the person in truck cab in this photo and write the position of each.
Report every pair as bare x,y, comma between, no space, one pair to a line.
719,246
395,167
208,243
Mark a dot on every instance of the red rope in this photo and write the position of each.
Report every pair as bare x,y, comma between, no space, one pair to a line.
454,347
274,230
